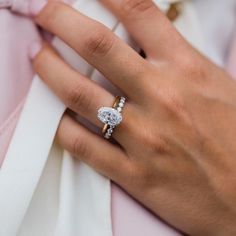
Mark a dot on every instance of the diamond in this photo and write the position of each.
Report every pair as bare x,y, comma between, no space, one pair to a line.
110,116
121,104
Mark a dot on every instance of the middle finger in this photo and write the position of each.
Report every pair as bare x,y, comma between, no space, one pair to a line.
96,44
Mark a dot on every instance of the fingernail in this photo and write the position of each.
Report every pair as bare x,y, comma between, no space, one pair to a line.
34,49
36,6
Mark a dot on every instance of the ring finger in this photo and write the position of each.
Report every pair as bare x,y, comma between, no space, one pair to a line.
79,93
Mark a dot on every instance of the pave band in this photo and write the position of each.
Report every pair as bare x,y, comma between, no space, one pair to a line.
111,116
119,107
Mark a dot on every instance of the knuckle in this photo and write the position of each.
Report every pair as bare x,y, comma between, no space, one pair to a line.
172,102
77,97
80,148
100,42
140,176
133,174
155,143
148,177
137,6
159,145
151,139
196,73
193,68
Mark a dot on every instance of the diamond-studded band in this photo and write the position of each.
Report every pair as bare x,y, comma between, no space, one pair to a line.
119,107
111,116
114,105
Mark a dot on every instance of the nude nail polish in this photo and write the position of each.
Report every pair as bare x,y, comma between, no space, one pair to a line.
34,49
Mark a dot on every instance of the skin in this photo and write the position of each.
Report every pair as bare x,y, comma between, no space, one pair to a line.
175,150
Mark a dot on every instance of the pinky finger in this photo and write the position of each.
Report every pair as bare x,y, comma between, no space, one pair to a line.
106,158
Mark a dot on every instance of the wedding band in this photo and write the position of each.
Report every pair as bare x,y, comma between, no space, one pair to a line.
118,106
114,105
111,116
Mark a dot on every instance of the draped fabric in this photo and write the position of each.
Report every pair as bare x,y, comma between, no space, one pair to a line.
45,191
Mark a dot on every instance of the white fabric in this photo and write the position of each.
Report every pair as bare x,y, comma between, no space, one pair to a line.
43,190
217,20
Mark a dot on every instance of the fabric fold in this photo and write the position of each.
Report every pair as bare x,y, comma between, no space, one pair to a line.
31,145
25,159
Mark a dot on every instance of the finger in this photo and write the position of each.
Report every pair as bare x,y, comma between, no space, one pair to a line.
150,28
97,44
101,155
78,92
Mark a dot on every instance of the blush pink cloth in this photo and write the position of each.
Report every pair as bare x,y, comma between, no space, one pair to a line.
16,72
129,217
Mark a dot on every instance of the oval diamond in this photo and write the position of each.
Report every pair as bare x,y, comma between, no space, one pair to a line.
110,116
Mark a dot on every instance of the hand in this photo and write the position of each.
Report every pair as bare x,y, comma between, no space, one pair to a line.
176,150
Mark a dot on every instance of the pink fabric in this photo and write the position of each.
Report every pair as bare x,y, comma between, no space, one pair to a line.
7,130
15,70
129,217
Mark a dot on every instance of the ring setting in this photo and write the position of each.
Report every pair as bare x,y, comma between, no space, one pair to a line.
111,116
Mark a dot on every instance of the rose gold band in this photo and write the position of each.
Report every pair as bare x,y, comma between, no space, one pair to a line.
114,105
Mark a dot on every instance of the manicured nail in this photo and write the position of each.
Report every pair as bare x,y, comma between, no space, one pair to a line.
36,6
34,49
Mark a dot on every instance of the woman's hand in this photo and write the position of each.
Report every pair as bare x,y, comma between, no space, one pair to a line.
176,150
